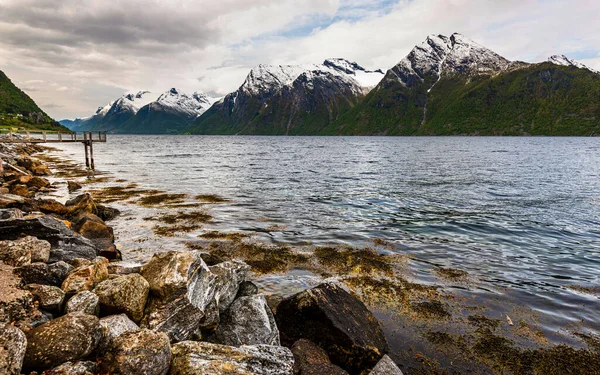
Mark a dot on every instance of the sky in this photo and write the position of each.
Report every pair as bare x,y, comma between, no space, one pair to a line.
73,56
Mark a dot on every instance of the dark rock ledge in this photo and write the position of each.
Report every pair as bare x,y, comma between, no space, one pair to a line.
68,306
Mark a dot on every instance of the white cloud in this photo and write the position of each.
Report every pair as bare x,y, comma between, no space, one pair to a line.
98,50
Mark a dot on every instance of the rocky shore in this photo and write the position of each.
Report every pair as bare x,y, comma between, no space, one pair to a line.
69,305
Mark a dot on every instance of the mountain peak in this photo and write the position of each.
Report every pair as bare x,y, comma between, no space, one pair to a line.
565,61
440,54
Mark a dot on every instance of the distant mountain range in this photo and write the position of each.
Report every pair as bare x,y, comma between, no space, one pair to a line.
146,113
447,85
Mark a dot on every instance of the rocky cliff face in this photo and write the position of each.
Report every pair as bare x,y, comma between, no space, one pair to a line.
289,99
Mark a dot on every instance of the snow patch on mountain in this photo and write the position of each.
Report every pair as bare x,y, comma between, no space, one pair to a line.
264,80
565,61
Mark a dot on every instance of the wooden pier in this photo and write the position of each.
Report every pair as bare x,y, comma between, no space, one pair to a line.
87,138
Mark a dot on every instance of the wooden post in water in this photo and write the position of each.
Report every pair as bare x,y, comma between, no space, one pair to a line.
92,153
44,135
28,135
59,137
85,146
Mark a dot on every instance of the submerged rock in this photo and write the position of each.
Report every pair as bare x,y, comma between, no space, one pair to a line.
114,326
47,274
386,367
74,368
125,294
248,321
50,297
229,277
141,352
13,344
68,338
192,357
85,302
336,321
312,360
86,277
124,268
73,186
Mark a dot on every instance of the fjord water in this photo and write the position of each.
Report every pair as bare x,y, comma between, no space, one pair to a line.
516,213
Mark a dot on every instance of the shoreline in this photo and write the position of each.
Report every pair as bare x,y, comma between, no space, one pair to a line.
373,277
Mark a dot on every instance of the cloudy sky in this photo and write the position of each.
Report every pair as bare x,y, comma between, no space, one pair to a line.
72,56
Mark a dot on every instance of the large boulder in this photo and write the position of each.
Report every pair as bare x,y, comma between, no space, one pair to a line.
47,274
182,287
24,251
142,352
191,357
112,327
68,338
229,277
50,297
52,206
66,244
309,359
74,368
86,277
248,321
13,344
338,322
170,272
386,367
125,294
85,302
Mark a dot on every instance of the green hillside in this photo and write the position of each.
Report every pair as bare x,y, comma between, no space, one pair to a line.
541,99
18,110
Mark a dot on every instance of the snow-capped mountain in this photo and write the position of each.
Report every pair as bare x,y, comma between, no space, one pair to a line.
120,115
170,113
280,99
451,85
565,61
440,55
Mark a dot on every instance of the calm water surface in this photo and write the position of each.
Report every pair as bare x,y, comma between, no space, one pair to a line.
520,214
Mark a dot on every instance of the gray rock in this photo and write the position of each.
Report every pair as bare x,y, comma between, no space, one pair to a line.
85,302
114,326
67,244
47,274
11,213
24,251
13,344
125,294
169,273
74,368
210,320
247,288
86,277
190,357
229,277
124,268
141,352
182,288
248,321
309,359
336,321
50,297
68,338
386,367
